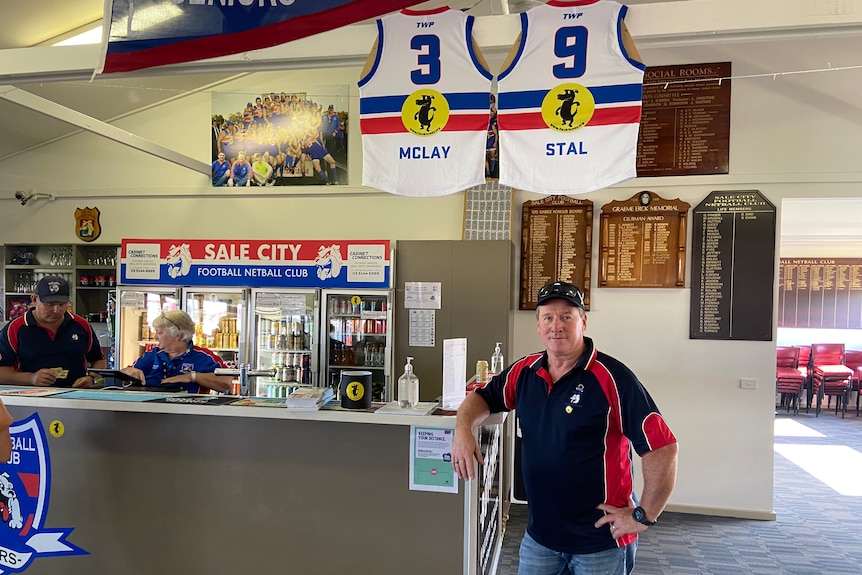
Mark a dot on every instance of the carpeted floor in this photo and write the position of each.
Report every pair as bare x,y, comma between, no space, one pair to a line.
818,530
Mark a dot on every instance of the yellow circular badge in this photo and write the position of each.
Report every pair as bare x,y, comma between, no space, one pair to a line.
355,300
355,390
56,428
568,107
425,112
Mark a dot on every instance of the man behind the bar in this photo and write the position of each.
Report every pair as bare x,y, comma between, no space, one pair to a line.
49,345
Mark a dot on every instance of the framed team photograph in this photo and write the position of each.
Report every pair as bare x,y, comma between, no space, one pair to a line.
280,138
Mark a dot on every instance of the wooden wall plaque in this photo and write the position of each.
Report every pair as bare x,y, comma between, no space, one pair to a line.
642,242
732,267
820,292
685,120
556,245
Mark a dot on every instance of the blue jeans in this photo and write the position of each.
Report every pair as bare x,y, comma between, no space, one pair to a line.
538,560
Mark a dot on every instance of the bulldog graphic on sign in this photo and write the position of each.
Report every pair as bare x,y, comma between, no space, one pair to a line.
87,226
25,485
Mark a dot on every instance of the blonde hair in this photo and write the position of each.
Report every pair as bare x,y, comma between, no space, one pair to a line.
177,323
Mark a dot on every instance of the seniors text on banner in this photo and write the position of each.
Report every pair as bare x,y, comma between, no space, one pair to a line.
146,33
256,263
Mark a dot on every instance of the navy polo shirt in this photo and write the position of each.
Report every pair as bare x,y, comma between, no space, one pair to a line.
26,346
577,434
158,365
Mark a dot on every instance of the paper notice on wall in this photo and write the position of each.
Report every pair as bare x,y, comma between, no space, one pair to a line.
133,299
421,328
454,372
422,295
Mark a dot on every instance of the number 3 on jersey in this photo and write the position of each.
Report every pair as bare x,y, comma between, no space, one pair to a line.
428,59
570,44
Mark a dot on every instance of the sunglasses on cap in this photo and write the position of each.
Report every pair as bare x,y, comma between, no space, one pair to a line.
563,290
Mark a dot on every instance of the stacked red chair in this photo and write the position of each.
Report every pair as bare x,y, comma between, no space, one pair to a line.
830,376
853,360
789,381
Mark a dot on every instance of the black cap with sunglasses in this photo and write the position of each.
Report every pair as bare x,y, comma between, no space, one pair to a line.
561,290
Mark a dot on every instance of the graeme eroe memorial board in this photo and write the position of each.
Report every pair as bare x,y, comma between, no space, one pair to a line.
820,292
733,257
642,242
556,244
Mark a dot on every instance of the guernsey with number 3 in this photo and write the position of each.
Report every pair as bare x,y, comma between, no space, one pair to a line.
424,105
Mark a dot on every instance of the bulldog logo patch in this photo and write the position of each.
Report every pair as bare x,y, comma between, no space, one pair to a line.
25,486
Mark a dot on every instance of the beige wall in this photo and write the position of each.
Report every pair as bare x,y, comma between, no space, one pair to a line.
780,145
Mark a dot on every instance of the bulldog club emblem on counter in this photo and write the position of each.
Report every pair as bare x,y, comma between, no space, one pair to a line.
25,486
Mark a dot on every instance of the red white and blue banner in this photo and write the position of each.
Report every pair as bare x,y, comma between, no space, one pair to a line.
257,263
145,33
25,493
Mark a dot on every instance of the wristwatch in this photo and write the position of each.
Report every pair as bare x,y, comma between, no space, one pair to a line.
639,515
194,380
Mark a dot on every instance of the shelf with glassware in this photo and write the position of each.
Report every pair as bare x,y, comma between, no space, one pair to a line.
359,337
24,266
285,325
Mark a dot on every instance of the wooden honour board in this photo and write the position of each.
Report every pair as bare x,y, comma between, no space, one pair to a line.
556,245
820,292
685,120
642,242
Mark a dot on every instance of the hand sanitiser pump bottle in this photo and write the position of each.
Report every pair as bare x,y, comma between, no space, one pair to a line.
497,360
408,387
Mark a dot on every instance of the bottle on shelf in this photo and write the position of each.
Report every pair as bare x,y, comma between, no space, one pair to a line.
296,336
282,339
408,387
497,360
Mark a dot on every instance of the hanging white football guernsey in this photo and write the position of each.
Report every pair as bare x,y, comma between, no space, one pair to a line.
569,103
424,106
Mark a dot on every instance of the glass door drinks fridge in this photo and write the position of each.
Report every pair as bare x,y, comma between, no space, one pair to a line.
219,315
359,323
286,339
138,307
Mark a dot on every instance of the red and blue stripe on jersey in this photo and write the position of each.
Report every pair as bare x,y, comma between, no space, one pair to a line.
468,111
615,104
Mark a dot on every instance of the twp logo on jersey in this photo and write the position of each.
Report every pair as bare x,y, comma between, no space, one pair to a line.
24,497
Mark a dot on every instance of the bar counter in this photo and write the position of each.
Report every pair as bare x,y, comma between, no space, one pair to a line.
149,487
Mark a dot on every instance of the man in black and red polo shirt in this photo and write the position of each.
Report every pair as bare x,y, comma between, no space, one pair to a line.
49,345
580,412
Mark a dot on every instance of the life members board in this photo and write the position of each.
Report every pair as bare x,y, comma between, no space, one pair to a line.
733,258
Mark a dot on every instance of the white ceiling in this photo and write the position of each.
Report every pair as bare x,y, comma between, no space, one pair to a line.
107,100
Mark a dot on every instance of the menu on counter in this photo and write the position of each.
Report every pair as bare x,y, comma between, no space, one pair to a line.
556,245
820,292
733,258
685,120
642,242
